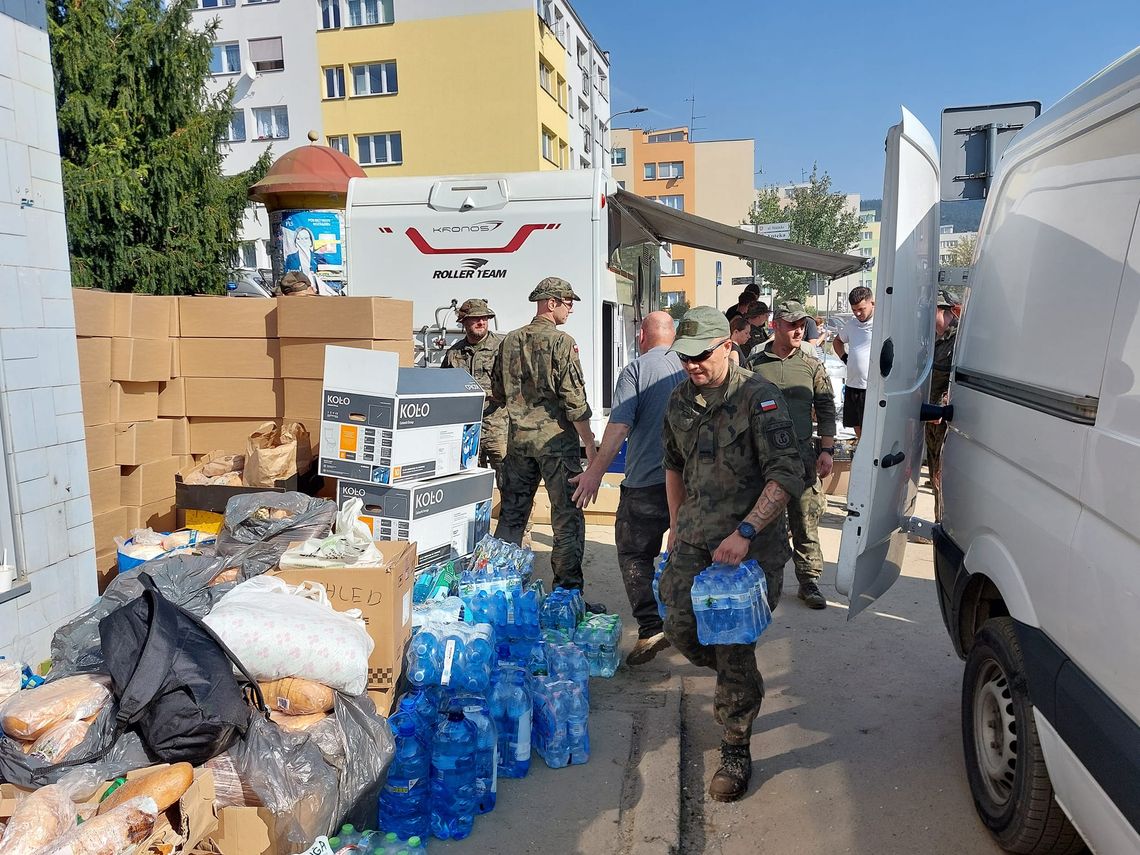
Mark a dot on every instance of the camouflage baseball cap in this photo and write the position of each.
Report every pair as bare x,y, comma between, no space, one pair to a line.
702,328
474,308
946,300
552,287
790,311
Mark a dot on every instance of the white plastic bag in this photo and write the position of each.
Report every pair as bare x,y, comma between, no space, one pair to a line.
350,544
278,630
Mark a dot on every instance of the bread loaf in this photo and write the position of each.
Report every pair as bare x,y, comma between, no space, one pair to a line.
296,696
41,818
111,833
295,723
229,788
58,740
29,713
165,786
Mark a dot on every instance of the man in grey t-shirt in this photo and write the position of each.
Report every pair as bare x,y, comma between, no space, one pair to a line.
638,412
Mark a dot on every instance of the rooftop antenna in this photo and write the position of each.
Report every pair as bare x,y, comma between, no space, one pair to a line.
693,127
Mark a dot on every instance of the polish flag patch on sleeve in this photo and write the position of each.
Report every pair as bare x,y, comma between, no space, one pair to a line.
768,406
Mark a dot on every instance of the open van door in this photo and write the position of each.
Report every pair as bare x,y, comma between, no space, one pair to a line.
885,470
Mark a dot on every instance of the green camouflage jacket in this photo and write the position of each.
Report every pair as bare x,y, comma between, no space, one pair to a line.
538,377
478,360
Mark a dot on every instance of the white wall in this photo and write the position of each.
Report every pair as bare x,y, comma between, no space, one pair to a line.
45,510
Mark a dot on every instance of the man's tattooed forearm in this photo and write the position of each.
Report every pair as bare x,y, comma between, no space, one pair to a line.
769,506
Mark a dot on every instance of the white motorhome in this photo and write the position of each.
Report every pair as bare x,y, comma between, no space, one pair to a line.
440,240
1037,556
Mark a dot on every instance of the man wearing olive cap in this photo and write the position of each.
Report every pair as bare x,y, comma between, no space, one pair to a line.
538,378
732,465
475,353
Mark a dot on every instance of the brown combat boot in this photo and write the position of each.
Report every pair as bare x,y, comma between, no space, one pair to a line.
731,780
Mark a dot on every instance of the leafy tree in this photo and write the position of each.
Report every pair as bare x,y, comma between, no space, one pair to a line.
148,208
677,310
818,217
962,253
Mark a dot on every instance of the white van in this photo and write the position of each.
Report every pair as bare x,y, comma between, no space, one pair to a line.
1038,552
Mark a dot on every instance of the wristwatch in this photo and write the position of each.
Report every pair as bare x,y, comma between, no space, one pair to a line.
746,530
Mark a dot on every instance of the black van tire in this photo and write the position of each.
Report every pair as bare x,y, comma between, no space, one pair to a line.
1007,775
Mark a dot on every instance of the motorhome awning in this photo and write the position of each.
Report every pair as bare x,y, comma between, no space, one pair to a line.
673,226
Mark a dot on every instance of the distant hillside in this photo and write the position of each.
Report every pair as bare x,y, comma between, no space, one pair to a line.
963,216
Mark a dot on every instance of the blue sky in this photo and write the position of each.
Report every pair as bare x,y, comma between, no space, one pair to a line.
822,81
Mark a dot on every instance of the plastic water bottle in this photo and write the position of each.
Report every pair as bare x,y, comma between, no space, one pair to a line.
511,708
348,835
424,662
661,562
478,712
405,800
570,662
453,790
577,726
549,726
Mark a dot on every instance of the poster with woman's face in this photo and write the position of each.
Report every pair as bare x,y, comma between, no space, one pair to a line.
310,243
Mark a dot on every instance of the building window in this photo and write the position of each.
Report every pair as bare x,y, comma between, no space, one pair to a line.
563,158
361,13
544,73
561,91
334,82
570,101
866,236
376,78
672,169
236,130
678,268
650,171
267,54
621,185
865,252
675,202
225,58
672,136
330,14
215,4
380,149
272,123
548,145
340,143
619,157
249,254
671,298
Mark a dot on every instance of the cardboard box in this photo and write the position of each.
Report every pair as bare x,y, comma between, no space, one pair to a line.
234,398
838,481
303,400
106,568
143,442
105,494
115,523
304,358
159,516
140,359
179,434
172,398
383,699
214,497
382,424
383,595
229,357
227,317
100,446
134,402
94,359
150,482
211,434
96,402
344,317
94,312
445,517
142,316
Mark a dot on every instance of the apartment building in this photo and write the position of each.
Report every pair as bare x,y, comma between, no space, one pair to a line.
834,295
424,87
712,179
948,239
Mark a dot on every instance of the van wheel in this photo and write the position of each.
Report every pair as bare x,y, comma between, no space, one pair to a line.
1004,764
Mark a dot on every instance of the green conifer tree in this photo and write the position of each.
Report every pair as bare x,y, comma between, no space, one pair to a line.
148,207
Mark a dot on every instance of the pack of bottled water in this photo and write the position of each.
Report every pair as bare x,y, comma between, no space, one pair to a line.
447,610
560,728
662,560
568,661
512,710
563,609
730,603
454,791
454,655
513,613
349,841
436,582
405,800
496,565
599,637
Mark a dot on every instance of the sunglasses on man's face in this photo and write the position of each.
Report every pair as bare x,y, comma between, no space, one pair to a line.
701,357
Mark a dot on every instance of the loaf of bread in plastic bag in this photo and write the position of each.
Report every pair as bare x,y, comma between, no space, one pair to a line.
57,741
229,788
165,786
42,817
29,713
111,833
297,696
293,723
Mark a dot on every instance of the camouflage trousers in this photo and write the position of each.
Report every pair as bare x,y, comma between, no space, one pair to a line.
642,520
803,522
519,478
935,439
739,685
493,448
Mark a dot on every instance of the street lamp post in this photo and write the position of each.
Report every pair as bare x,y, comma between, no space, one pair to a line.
606,125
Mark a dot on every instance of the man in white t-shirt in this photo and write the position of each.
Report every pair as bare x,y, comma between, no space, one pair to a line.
853,346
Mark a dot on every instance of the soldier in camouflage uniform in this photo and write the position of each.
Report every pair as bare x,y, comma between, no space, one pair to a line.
475,353
946,333
732,464
538,377
803,380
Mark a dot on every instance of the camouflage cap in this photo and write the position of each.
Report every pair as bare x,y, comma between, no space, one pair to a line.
702,328
757,309
474,308
790,311
946,300
553,287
